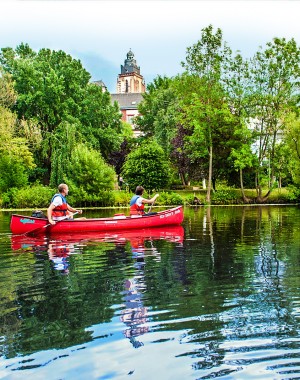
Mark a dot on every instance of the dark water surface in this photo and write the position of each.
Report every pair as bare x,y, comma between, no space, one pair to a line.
215,298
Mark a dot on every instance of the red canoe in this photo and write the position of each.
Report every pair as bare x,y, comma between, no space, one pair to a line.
21,224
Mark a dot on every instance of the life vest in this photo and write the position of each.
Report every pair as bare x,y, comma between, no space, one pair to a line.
61,210
134,208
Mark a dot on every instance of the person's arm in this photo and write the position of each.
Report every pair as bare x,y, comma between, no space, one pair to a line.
49,213
73,209
153,199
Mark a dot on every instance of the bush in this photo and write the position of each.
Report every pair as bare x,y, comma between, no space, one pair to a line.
293,194
169,199
36,196
79,197
225,197
122,198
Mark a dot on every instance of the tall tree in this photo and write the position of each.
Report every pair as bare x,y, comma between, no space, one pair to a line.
274,85
53,90
206,59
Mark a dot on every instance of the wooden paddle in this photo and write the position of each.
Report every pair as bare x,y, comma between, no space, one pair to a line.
151,206
33,232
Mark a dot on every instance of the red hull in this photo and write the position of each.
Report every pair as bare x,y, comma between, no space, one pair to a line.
20,224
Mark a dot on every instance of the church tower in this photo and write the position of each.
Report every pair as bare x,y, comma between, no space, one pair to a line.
130,80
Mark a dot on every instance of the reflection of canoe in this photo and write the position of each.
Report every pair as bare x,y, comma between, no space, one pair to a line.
170,233
25,224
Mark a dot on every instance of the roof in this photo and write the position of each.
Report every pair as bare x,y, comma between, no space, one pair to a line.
128,100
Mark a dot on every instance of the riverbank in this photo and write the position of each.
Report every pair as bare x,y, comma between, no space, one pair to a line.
39,198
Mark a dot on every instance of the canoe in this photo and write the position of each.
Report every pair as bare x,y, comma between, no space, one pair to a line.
21,224
174,234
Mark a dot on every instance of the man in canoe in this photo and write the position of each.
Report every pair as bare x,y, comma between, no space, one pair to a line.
59,208
137,202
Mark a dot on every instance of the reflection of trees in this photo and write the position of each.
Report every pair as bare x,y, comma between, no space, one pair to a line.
52,310
219,262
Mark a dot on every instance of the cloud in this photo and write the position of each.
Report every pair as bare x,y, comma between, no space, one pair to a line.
158,32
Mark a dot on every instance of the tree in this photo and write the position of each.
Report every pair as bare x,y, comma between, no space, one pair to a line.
291,146
158,111
147,166
101,121
274,86
15,157
8,95
53,90
206,59
88,170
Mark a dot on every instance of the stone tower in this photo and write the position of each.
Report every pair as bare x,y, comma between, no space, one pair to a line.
130,80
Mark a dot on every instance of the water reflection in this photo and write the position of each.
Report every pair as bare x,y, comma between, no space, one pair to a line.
221,301
60,247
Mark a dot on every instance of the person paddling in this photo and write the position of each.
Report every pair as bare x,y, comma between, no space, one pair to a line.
137,202
59,208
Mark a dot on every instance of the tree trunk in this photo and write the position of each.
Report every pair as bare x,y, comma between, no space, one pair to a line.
182,177
245,199
208,198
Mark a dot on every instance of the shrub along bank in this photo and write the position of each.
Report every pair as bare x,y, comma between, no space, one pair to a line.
39,196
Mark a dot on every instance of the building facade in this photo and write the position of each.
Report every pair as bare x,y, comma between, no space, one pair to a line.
130,89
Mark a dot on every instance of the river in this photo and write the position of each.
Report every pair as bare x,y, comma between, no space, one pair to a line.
215,298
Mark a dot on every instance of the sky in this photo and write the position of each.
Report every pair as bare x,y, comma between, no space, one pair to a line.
100,32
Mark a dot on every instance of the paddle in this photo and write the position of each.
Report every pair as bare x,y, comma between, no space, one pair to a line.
151,206
33,232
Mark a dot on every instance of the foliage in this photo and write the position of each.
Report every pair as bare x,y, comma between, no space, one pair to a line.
15,156
63,142
8,95
274,74
206,109
169,199
81,198
100,121
12,173
225,197
89,171
54,91
291,147
34,196
147,166
122,198
117,158
158,112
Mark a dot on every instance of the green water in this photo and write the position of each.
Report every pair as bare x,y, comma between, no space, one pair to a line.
217,298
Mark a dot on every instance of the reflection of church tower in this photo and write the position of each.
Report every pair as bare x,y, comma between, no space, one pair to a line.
130,80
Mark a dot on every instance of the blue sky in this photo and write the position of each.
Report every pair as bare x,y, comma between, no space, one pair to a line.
101,32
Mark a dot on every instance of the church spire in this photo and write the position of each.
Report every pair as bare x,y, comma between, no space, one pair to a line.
130,65
130,80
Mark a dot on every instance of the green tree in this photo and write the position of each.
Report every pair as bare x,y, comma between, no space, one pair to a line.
15,156
63,141
158,111
291,146
274,84
88,170
101,121
147,166
54,90
206,59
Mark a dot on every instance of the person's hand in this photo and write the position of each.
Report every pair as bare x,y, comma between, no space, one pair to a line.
79,211
156,196
51,221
